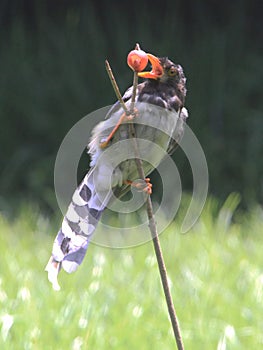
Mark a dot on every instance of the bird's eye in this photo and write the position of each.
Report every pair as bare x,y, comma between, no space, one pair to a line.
172,71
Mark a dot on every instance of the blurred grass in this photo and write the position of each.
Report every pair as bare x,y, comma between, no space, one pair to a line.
115,300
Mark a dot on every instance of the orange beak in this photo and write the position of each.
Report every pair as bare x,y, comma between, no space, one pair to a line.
157,69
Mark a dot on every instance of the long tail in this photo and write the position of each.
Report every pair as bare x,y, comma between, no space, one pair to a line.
78,225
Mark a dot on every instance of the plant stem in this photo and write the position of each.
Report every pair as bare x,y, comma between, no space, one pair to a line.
134,90
149,208
115,86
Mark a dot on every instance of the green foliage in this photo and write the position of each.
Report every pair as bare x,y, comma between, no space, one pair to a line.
115,299
52,74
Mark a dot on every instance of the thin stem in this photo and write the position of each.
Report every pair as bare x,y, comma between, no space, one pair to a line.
115,86
149,208
134,90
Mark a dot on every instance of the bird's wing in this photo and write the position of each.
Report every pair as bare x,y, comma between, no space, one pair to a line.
178,131
157,123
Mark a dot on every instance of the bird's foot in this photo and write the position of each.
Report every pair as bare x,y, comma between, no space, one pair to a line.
132,114
105,143
141,185
124,117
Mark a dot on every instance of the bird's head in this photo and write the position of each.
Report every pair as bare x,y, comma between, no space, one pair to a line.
165,72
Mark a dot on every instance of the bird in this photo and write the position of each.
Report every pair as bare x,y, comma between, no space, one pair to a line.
160,118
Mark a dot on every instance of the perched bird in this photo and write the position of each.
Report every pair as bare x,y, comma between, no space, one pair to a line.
160,118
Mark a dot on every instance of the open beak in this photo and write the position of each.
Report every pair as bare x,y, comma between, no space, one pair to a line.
157,69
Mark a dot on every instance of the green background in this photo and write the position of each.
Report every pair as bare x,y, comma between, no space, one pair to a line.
52,74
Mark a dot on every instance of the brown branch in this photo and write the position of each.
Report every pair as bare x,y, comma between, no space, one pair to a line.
115,86
149,208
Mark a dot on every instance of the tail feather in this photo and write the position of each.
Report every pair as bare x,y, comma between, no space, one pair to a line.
78,225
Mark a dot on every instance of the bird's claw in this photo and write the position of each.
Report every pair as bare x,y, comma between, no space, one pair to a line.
130,115
124,117
148,186
141,185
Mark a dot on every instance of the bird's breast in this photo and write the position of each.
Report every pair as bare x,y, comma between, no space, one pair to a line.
153,126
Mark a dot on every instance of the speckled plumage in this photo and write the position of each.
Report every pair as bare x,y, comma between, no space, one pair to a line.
161,114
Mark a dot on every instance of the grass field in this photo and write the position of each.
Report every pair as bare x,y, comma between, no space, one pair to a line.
115,300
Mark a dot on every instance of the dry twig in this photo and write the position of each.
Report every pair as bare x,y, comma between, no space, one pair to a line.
149,207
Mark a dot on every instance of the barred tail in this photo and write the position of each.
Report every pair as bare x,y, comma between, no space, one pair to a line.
78,225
